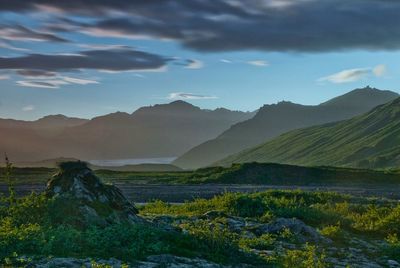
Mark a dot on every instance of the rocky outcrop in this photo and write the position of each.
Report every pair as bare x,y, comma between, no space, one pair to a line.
93,201
302,232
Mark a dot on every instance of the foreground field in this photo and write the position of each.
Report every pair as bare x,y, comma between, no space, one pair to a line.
78,221
272,228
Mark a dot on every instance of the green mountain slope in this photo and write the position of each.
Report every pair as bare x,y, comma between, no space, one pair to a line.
371,140
276,119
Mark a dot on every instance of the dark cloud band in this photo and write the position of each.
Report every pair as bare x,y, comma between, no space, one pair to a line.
210,25
110,60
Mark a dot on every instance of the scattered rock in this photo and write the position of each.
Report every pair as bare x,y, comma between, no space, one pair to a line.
213,214
167,260
393,264
73,263
299,229
155,261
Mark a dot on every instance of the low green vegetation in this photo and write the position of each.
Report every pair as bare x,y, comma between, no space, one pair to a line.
280,174
369,225
37,227
31,226
330,212
38,175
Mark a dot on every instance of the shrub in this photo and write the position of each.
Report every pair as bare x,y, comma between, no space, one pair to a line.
332,231
393,247
304,258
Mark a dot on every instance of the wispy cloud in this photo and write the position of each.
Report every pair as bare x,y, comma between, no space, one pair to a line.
52,84
11,47
194,64
225,61
353,75
37,74
258,63
28,108
4,77
189,96
21,33
379,70
102,46
79,81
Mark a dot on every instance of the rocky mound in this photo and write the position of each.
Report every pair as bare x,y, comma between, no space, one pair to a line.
77,188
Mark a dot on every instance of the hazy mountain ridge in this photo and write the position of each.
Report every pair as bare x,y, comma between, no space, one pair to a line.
275,119
370,140
49,121
162,130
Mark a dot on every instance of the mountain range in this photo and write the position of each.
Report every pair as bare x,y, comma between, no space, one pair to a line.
371,140
162,130
276,119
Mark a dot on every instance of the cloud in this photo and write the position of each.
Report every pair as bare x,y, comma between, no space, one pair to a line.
346,76
379,70
102,46
28,108
106,60
4,77
189,96
21,33
79,81
209,25
194,64
258,63
139,75
353,75
225,61
36,73
11,47
53,84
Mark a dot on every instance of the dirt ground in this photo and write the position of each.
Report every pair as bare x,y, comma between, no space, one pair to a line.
180,193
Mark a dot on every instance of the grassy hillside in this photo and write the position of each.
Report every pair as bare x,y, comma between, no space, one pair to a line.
276,119
278,174
371,140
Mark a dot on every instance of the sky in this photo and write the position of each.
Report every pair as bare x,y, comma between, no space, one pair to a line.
85,58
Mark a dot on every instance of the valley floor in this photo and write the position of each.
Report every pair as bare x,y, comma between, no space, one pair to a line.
143,193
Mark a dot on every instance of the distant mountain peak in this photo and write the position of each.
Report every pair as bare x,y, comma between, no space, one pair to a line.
53,117
57,120
181,104
177,106
361,97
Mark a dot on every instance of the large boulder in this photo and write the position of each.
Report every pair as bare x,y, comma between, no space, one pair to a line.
78,191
